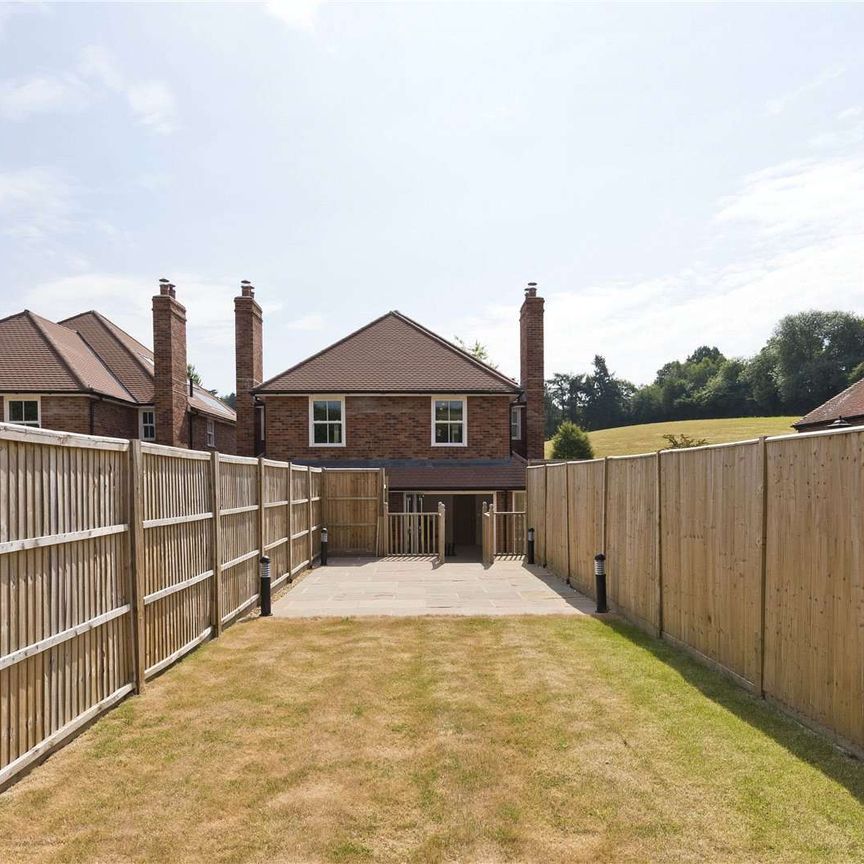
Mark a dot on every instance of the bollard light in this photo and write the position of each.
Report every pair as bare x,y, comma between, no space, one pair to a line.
265,587
530,545
600,581
325,539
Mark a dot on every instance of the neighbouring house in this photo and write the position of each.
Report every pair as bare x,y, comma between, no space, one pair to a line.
84,374
394,395
844,409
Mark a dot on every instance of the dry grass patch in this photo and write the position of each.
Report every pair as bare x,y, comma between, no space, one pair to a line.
519,739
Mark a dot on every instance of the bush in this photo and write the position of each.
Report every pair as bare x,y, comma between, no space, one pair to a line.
682,441
571,442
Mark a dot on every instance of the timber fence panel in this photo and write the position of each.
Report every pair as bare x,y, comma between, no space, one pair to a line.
240,534
178,535
316,510
299,519
814,594
352,506
276,520
711,518
535,494
556,541
631,538
64,588
585,508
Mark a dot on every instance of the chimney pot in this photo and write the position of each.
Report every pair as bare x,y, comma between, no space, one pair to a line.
247,289
531,290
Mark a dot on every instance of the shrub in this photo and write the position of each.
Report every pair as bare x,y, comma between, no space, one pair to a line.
571,442
682,441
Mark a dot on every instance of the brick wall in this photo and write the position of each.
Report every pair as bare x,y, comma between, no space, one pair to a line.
225,435
115,421
170,383
66,413
249,359
84,415
389,427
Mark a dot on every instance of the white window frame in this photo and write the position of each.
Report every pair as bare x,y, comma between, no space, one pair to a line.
141,424
444,397
326,397
210,433
23,397
516,412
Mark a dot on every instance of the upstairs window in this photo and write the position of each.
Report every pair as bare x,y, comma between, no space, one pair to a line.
515,423
327,421
22,410
211,433
449,427
147,431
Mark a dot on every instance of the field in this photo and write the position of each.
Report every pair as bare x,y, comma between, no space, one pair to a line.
517,739
628,440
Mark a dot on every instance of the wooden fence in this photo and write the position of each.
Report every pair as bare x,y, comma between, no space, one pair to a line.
117,558
750,555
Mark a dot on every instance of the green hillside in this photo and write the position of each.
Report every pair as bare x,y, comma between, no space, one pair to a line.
627,440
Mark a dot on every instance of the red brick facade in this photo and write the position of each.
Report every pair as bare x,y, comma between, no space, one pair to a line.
224,435
532,374
249,354
86,415
391,427
170,380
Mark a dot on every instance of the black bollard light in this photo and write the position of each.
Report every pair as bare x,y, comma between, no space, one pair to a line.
324,541
600,581
530,545
265,587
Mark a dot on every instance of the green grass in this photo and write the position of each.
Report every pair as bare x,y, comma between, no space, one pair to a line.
425,740
627,440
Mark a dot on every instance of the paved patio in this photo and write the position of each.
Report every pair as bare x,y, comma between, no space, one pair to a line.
350,587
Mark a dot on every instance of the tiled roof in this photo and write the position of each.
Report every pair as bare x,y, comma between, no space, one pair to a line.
479,475
129,360
84,353
391,354
848,404
39,355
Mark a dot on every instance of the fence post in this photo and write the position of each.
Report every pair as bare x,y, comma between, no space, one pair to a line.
442,531
136,564
545,512
309,512
216,565
760,684
386,530
658,549
290,521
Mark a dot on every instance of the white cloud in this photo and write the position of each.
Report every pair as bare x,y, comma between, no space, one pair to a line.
307,323
151,102
779,104
296,14
34,202
19,98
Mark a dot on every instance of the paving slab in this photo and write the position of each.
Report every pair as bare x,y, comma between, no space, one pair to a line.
353,587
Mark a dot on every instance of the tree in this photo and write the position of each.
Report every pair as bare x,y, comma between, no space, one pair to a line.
478,350
192,375
607,398
571,442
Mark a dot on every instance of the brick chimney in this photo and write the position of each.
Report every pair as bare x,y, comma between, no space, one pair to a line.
249,353
531,370
169,373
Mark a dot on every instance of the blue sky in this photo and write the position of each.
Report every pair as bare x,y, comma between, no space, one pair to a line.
670,175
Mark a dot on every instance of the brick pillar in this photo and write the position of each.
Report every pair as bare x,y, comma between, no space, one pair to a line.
170,381
531,370
249,354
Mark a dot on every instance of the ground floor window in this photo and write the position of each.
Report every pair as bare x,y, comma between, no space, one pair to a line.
23,410
147,417
211,433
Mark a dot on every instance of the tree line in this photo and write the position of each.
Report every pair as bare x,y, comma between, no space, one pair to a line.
810,357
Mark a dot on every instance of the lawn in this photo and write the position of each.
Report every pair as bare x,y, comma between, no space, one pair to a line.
520,739
648,437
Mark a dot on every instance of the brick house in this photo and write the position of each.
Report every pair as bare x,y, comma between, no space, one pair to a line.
393,394
86,375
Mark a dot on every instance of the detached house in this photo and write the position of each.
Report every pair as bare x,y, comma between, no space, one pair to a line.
86,375
393,394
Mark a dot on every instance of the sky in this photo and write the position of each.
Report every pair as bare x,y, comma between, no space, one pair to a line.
670,175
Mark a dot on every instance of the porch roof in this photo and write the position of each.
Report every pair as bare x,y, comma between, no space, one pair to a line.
467,475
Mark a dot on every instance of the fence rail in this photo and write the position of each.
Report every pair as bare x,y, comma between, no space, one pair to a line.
750,555
117,558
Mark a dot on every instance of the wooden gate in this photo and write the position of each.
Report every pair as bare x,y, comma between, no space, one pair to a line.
415,534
